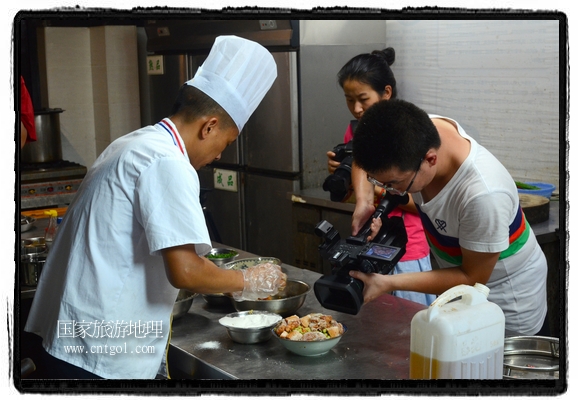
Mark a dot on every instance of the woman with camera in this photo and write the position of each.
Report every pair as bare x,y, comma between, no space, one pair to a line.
367,79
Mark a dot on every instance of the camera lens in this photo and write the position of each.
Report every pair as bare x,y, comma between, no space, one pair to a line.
338,184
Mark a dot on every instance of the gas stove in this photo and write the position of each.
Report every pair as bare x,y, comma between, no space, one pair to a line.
50,184
54,170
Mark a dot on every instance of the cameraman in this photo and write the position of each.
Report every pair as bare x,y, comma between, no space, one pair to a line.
470,208
366,79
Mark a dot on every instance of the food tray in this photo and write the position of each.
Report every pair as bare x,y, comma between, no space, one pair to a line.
531,357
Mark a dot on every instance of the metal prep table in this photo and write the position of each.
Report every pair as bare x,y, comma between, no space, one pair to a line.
376,345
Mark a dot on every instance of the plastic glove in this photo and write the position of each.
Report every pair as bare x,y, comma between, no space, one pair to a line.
261,281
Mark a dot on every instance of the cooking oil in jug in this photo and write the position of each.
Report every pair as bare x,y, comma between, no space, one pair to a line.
460,336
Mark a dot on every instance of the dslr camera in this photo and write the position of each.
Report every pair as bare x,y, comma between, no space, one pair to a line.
341,292
338,184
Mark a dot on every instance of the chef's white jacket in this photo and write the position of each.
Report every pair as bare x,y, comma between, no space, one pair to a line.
103,302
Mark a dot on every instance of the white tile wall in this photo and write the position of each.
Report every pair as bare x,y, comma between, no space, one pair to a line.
92,74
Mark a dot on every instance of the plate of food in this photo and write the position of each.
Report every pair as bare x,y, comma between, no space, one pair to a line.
311,335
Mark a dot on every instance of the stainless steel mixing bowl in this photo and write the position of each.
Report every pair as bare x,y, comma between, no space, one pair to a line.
285,303
183,303
222,255
250,335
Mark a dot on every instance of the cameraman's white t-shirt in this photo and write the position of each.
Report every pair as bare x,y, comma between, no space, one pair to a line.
479,210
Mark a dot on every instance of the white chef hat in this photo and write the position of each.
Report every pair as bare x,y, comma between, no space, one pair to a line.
237,74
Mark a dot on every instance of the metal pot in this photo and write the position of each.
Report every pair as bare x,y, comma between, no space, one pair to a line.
531,357
31,267
47,146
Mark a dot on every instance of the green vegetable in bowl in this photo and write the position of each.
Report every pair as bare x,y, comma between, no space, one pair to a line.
222,255
525,186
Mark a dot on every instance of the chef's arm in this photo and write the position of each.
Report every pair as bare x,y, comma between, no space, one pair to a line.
186,270
476,268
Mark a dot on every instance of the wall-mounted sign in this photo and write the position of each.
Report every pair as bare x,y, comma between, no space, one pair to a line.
155,65
225,180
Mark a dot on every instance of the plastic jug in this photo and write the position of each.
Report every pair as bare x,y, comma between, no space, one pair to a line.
460,336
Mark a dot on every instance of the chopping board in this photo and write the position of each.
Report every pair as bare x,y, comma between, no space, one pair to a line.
536,208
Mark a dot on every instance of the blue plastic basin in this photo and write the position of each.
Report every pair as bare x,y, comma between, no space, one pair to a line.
545,190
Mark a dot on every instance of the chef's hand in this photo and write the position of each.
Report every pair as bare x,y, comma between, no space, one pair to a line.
261,281
331,163
374,285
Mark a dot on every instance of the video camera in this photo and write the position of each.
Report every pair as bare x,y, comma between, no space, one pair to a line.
341,292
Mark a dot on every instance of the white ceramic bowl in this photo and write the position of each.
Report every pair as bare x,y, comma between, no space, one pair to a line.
315,348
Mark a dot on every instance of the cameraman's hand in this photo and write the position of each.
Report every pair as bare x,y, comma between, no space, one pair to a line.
363,211
331,163
375,227
374,285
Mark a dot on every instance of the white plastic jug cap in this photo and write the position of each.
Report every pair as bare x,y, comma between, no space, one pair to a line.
482,289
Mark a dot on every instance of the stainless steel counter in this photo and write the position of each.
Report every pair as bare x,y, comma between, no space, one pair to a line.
376,345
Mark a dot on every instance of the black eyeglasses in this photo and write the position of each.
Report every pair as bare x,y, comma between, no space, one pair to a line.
393,190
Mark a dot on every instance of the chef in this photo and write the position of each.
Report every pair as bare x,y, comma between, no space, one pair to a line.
135,233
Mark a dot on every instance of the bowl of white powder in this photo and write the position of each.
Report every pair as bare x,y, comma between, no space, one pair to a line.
249,327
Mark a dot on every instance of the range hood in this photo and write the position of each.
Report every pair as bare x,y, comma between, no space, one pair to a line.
172,36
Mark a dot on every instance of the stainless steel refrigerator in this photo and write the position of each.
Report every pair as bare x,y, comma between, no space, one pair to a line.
247,192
